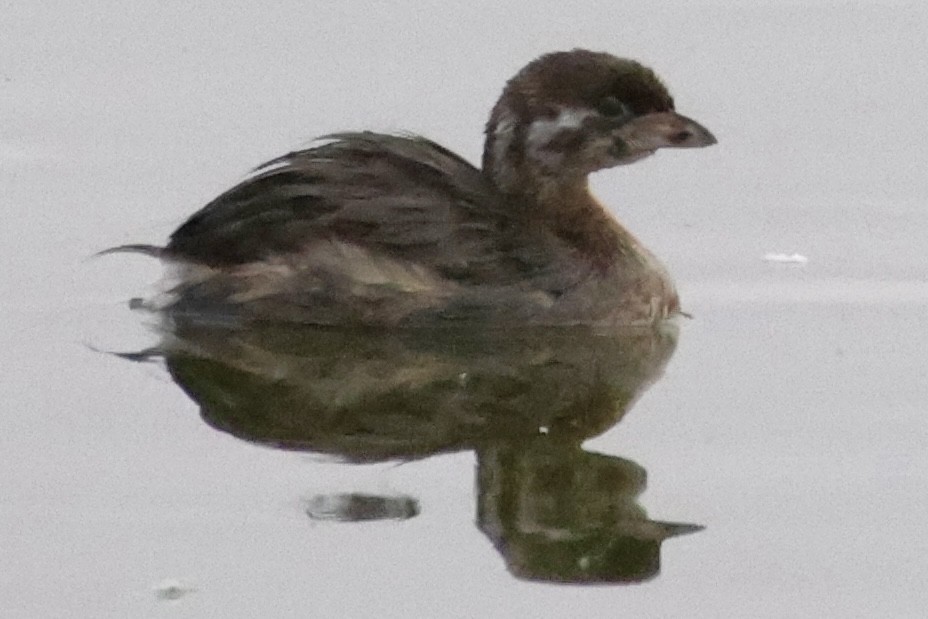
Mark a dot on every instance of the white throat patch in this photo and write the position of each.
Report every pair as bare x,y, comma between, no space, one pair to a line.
542,131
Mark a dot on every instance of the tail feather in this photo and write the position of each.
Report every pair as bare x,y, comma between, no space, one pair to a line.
149,250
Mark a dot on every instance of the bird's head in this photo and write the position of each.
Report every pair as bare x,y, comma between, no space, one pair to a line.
567,114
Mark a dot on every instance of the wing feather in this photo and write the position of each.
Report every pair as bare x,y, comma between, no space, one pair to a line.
404,196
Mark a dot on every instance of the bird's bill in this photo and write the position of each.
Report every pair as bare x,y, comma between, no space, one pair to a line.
645,134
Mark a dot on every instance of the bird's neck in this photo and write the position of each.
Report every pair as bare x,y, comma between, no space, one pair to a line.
567,208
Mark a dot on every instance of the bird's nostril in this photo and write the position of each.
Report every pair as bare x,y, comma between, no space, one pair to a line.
681,136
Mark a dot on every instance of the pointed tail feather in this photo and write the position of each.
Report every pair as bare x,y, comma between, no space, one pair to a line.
149,250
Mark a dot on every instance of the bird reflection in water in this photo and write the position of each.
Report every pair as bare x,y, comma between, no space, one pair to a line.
523,400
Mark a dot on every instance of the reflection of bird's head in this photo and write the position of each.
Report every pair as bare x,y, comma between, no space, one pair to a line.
567,114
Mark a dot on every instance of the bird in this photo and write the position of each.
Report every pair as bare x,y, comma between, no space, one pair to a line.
393,230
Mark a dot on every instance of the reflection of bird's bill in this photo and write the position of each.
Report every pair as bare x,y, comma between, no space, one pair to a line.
645,134
659,530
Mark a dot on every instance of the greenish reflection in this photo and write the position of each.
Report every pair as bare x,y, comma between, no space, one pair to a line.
523,400
559,513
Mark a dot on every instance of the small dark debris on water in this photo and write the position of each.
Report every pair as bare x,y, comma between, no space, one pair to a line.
171,590
356,507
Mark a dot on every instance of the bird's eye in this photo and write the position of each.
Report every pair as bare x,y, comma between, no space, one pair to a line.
611,106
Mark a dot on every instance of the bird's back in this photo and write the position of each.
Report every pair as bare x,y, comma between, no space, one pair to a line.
368,228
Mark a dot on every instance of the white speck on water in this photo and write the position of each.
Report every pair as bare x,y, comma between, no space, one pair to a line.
543,430
11,153
786,258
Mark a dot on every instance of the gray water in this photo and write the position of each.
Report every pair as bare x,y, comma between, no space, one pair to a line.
789,422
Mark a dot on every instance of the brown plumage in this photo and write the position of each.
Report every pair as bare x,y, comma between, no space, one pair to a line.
367,228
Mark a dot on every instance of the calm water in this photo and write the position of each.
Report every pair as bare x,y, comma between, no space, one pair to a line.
768,462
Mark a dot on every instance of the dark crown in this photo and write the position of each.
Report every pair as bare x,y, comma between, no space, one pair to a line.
584,78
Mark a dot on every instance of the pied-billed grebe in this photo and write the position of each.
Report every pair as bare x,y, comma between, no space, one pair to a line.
367,228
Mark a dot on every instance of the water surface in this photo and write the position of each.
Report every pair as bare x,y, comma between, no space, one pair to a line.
789,421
